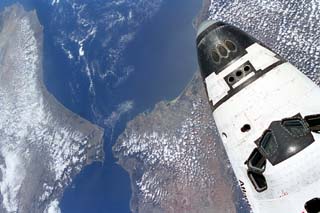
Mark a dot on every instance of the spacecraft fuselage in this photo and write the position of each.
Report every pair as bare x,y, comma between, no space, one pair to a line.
267,115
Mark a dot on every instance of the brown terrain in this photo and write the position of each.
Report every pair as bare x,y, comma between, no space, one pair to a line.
175,159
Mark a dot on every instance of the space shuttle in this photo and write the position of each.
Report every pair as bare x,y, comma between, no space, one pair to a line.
267,114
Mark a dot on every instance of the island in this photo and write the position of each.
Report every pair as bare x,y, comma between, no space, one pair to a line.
43,145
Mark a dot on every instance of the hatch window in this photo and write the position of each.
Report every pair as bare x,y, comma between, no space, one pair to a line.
314,122
256,162
256,166
258,180
296,127
268,143
284,139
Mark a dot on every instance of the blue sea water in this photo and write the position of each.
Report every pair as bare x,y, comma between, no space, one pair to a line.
162,55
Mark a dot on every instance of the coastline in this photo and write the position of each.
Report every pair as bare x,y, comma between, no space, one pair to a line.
202,15
63,141
129,164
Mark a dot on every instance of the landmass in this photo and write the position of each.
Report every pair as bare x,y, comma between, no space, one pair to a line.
43,145
174,157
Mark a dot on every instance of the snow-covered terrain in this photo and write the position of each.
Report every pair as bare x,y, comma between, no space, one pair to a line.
42,144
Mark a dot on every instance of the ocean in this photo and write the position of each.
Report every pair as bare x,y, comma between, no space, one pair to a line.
163,56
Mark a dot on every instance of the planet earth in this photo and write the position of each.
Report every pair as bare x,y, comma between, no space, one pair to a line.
102,108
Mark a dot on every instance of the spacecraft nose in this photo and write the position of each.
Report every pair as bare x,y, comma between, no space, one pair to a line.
218,44
206,24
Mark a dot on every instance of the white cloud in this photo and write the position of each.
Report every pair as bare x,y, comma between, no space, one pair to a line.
53,207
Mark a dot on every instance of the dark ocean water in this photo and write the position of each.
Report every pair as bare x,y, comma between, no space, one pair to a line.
164,57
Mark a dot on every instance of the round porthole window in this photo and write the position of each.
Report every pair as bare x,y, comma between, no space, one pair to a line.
231,79
313,206
245,128
247,68
239,73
